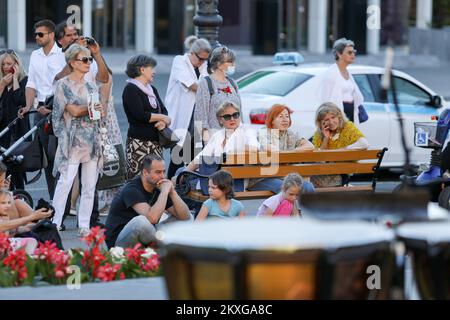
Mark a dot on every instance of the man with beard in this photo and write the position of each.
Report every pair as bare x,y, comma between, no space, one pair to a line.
136,211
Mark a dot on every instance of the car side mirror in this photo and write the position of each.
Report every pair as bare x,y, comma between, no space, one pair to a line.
436,101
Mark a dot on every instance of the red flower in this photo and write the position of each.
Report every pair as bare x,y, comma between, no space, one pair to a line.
226,90
92,260
16,261
108,273
135,254
95,238
152,264
5,245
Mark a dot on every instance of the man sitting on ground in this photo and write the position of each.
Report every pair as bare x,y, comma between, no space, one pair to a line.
136,211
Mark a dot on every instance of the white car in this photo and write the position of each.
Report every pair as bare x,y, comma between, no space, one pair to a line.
297,87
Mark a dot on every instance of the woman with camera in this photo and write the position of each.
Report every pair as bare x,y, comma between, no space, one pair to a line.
79,137
145,111
13,80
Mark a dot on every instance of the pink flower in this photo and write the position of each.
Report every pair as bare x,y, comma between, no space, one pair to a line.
152,264
108,273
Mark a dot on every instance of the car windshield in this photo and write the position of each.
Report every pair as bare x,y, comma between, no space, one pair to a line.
274,83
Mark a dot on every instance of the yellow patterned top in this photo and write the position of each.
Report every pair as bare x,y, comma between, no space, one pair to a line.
349,135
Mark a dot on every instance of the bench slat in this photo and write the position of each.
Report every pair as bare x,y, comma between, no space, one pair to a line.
262,158
304,170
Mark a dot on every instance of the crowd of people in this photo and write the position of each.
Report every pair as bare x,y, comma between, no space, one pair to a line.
202,108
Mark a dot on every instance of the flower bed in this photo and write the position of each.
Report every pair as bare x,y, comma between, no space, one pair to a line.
52,266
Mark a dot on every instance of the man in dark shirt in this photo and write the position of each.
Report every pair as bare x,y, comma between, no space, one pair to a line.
136,211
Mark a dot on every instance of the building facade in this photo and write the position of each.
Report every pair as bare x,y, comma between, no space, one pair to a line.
264,26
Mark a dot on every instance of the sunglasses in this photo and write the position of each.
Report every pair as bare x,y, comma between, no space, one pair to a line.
85,60
7,51
351,52
40,34
200,58
227,117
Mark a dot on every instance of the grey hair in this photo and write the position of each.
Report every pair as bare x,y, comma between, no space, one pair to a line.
225,105
73,51
340,45
196,45
219,55
325,109
135,64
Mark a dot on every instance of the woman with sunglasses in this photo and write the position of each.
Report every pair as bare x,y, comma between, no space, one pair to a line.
186,72
338,85
79,137
13,80
216,89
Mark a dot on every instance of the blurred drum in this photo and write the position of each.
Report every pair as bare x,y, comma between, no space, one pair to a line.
429,246
277,259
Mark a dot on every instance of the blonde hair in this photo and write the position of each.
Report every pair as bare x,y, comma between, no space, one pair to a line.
293,180
325,109
73,51
14,56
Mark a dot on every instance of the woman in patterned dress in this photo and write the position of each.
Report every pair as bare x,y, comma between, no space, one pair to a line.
79,140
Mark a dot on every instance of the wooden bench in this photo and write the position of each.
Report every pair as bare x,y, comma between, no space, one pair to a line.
307,163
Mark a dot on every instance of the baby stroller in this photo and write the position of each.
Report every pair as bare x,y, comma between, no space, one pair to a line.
25,155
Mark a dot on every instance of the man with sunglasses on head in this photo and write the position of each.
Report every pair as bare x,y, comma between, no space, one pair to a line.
66,35
45,64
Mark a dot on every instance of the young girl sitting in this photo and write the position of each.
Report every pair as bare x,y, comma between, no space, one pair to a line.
221,203
284,204
11,227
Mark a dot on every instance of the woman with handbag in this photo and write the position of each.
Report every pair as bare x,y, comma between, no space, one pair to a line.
79,137
338,86
13,80
146,113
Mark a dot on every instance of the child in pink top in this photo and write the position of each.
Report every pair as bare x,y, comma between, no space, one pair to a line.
284,204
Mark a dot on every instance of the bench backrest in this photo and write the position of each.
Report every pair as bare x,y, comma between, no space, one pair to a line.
305,163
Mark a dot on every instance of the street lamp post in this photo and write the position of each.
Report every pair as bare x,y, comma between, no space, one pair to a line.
207,21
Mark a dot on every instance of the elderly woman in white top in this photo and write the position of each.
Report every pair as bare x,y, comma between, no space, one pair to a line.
339,87
186,72
79,140
234,138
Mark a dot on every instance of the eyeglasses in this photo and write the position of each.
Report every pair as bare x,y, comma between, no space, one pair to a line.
40,34
352,52
85,60
227,117
200,58
7,51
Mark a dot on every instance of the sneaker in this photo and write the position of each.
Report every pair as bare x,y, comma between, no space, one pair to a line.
83,232
73,212
62,228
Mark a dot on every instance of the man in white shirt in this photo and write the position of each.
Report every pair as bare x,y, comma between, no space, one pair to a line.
45,64
66,35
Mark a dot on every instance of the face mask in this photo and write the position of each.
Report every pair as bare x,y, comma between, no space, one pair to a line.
231,70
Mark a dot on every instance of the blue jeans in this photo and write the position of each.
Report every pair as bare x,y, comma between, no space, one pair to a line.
140,230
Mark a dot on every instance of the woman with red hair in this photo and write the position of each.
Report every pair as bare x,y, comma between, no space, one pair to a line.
277,136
